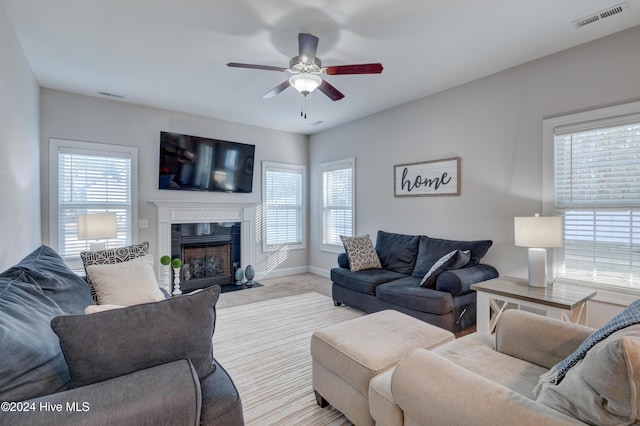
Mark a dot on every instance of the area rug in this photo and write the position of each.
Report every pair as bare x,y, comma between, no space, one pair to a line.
264,346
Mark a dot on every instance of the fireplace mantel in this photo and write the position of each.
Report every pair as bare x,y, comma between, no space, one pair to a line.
172,212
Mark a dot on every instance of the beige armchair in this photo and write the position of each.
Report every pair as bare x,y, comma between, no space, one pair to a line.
485,379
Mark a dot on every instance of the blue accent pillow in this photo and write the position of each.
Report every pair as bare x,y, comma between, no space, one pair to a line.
46,269
32,363
430,250
452,260
397,252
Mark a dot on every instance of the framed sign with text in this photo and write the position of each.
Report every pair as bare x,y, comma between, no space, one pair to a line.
428,178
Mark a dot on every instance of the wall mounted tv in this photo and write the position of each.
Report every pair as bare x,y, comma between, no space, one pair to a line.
193,163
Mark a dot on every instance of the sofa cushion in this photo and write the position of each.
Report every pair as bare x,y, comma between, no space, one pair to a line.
32,363
109,344
397,252
364,281
432,249
46,269
360,252
126,283
453,260
604,387
408,293
111,256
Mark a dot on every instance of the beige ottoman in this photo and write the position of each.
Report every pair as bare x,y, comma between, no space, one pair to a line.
348,355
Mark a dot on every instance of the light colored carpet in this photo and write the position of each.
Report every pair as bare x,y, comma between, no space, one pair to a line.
265,348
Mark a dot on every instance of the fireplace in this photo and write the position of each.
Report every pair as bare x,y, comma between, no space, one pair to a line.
196,213
210,253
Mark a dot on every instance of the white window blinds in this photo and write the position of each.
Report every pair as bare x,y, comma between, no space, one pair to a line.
92,181
597,191
337,201
283,206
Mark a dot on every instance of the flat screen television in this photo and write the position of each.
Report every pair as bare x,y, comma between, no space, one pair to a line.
193,163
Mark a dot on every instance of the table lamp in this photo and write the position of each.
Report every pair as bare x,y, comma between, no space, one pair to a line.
538,233
98,226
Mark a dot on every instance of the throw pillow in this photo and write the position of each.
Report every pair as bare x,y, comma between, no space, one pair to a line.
32,362
126,283
603,388
92,309
111,256
113,343
432,249
360,252
452,260
45,268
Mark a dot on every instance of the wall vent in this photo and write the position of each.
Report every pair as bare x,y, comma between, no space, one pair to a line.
613,10
111,95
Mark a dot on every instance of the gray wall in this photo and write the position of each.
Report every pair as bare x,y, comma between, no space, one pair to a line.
69,116
19,147
495,125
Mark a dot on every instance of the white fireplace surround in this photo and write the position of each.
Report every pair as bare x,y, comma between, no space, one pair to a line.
176,212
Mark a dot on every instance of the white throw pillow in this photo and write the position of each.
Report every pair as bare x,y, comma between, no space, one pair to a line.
126,283
92,309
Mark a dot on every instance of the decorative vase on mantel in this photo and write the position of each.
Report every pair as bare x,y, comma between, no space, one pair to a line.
250,274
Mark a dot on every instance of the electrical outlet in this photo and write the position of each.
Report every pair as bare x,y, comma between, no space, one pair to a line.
143,223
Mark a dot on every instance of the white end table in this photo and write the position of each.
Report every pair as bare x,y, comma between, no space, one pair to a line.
561,301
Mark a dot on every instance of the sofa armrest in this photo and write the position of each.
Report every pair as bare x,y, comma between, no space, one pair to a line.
343,261
538,339
432,390
167,394
458,281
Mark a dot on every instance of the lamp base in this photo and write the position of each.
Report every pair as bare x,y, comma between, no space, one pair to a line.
97,246
538,267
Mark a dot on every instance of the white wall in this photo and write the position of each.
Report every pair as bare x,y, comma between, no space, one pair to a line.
495,125
19,148
69,116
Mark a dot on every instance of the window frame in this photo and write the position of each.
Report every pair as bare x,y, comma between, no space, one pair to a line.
345,163
603,117
90,148
302,170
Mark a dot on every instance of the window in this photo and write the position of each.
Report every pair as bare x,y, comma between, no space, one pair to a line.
338,196
596,188
90,178
283,210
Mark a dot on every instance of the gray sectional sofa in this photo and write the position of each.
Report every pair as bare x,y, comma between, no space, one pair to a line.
144,364
448,303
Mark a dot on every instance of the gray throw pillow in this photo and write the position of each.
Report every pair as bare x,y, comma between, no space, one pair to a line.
113,343
361,253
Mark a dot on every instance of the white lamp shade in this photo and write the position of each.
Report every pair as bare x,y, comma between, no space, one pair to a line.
97,226
538,231
305,83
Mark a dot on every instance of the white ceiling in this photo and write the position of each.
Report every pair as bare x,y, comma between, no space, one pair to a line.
172,54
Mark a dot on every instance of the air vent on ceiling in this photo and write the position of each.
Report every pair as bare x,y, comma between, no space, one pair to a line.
613,10
111,95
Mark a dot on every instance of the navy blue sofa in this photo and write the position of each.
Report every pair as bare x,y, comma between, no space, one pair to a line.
405,259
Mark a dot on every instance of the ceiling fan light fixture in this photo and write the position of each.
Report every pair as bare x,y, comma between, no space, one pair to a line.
305,83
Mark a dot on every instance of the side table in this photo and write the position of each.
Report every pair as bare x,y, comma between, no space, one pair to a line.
561,301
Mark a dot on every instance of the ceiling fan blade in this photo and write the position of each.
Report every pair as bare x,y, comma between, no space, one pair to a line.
333,93
255,67
308,46
276,90
354,69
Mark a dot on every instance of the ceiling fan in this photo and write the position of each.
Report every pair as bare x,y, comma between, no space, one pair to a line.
307,68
